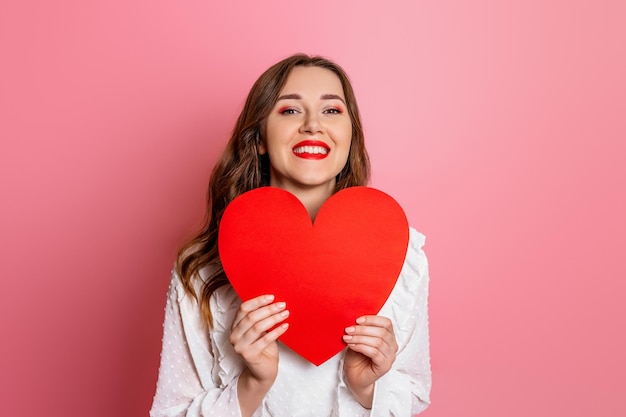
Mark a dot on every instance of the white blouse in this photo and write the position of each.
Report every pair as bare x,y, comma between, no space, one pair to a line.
199,368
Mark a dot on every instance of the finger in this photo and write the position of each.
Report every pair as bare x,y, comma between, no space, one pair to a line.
249,318
375,326
245,335
384,346
377,332
376,321
372,331
387,345
259,327
268,338
375,355
251,305
369,331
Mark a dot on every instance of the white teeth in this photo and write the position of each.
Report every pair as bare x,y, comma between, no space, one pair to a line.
311,149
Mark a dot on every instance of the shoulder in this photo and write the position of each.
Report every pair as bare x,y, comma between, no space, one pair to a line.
177,290
411,289
416,260
222,301
416,238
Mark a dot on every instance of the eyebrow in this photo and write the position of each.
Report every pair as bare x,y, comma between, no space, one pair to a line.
299,97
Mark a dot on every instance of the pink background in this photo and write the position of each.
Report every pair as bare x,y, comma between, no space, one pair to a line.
499,126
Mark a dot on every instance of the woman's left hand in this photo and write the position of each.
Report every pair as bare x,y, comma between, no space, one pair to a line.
371,351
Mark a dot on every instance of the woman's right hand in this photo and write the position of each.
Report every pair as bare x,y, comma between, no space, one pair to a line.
252,339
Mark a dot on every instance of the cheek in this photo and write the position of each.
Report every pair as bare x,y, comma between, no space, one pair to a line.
341,131
278,131
346,146
347,134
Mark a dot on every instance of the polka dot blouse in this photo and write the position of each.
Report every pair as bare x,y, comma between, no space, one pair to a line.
199,369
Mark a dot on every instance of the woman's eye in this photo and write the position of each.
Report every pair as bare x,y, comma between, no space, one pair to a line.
287,111
333,111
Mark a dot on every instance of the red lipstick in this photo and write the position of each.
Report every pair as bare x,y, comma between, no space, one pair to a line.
311,149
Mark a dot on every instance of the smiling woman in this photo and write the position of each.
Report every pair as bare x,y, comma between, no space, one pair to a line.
307,135
299,131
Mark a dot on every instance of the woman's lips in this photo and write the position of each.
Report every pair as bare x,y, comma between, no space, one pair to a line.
311,149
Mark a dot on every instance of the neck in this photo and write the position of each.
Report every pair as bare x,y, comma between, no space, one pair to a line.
312,198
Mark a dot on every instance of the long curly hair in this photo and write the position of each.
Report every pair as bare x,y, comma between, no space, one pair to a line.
242,169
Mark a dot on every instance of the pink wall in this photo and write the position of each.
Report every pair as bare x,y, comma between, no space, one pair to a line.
499,126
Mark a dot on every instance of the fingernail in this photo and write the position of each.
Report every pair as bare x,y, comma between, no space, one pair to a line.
282,304
360,320
269,297
350,329
284,313
347,337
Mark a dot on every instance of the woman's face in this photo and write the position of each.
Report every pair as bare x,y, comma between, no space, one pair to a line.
308,132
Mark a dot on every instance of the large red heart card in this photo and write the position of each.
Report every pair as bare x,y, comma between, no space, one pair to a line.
329,272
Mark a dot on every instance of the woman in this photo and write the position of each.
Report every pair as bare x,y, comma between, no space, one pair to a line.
299,130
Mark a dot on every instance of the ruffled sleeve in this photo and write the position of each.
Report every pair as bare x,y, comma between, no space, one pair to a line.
186,385
405,390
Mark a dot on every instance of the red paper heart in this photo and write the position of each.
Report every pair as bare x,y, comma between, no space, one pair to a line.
342,266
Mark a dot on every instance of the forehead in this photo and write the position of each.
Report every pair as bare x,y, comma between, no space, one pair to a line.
313,80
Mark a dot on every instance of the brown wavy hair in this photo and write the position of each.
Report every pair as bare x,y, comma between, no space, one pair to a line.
242,169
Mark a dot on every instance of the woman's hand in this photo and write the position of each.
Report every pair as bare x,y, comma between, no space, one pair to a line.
371,351
253,340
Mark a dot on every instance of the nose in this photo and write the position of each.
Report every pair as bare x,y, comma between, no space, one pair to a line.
311,124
